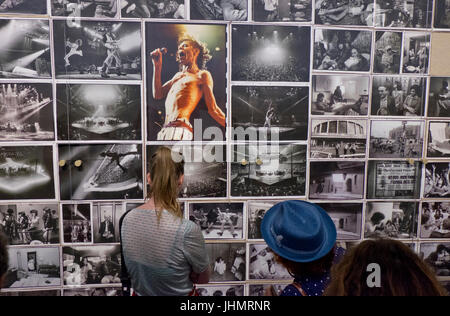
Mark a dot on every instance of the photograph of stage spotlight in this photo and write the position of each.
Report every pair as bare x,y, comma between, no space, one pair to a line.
185,106
342,50
205,169
156,9
23,7
85,8
282,10
228,10
99,112
336,180
267,170
26,112
26,173
279,112
271,53
97,50
100,172
25,49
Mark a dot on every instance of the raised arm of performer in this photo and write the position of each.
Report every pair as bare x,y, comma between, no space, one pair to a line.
213,109
160,91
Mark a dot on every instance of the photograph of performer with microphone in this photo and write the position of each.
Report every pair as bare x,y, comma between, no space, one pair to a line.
186,98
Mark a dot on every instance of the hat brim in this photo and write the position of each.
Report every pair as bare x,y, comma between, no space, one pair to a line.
330,236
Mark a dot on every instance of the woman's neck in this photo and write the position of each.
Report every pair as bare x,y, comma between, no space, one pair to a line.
149,205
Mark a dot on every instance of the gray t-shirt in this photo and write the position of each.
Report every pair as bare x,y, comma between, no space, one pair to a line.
160,257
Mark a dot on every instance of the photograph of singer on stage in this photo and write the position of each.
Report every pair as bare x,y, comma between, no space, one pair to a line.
181,91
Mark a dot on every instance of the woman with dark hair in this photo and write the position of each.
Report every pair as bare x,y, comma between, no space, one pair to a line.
164,254
412,105
402,272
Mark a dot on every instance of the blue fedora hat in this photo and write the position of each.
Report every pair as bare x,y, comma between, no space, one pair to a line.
299,231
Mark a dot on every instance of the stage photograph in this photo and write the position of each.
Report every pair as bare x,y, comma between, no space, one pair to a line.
99,172
26,173
38,7
342,50
264,266
156,9
338,139
340,95
268,171
435,222
271,53
105,221
26,112
398,96
442,14
270,113
438,140
99,112
187,86
97,50
404,13
256,211
282,10
439,97
101,9
25,49
348,12
396,139
227,262
347,217
392,179
388,52
225,10
77,223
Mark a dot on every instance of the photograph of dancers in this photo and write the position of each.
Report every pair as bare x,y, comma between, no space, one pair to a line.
23,6
182,94
97,50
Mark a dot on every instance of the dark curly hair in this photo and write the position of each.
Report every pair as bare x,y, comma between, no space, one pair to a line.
204,55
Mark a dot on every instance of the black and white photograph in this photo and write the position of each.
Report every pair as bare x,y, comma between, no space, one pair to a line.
26,112
404,13
347,218
33,267
94,291
270,113
437,180
341,180
77,223
388,52
97,49
439,97
437,255
282,10
155,9
99,112
342,50
340,95
205,170
105,220
92,265
228,10
396,139
268,170
398,96
220,290
348,12
32,293
438,140
99,172
38,7
343,138
101,9
271,53
256,211
262,289
390,179
25,49
26,173
435,222
416,53
391,220
227,262
264,266
30,224
218,220
442,14
195,107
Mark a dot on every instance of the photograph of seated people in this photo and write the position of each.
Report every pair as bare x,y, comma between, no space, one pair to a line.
416,52
340,95
228,10
442,14
344,12
342,50
162,9
282,10
404,13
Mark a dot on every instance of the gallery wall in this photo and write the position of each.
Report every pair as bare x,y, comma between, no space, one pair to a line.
335,103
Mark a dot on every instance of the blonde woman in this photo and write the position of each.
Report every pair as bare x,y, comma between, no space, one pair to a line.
165,255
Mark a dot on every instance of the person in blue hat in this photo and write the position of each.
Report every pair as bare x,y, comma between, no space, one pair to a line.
303,237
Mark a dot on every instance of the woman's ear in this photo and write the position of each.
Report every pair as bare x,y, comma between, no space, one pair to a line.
149,179
181,180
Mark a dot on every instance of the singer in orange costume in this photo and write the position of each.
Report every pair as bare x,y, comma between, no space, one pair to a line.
185,90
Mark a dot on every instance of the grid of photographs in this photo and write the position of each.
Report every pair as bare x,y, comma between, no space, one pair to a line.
326,101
